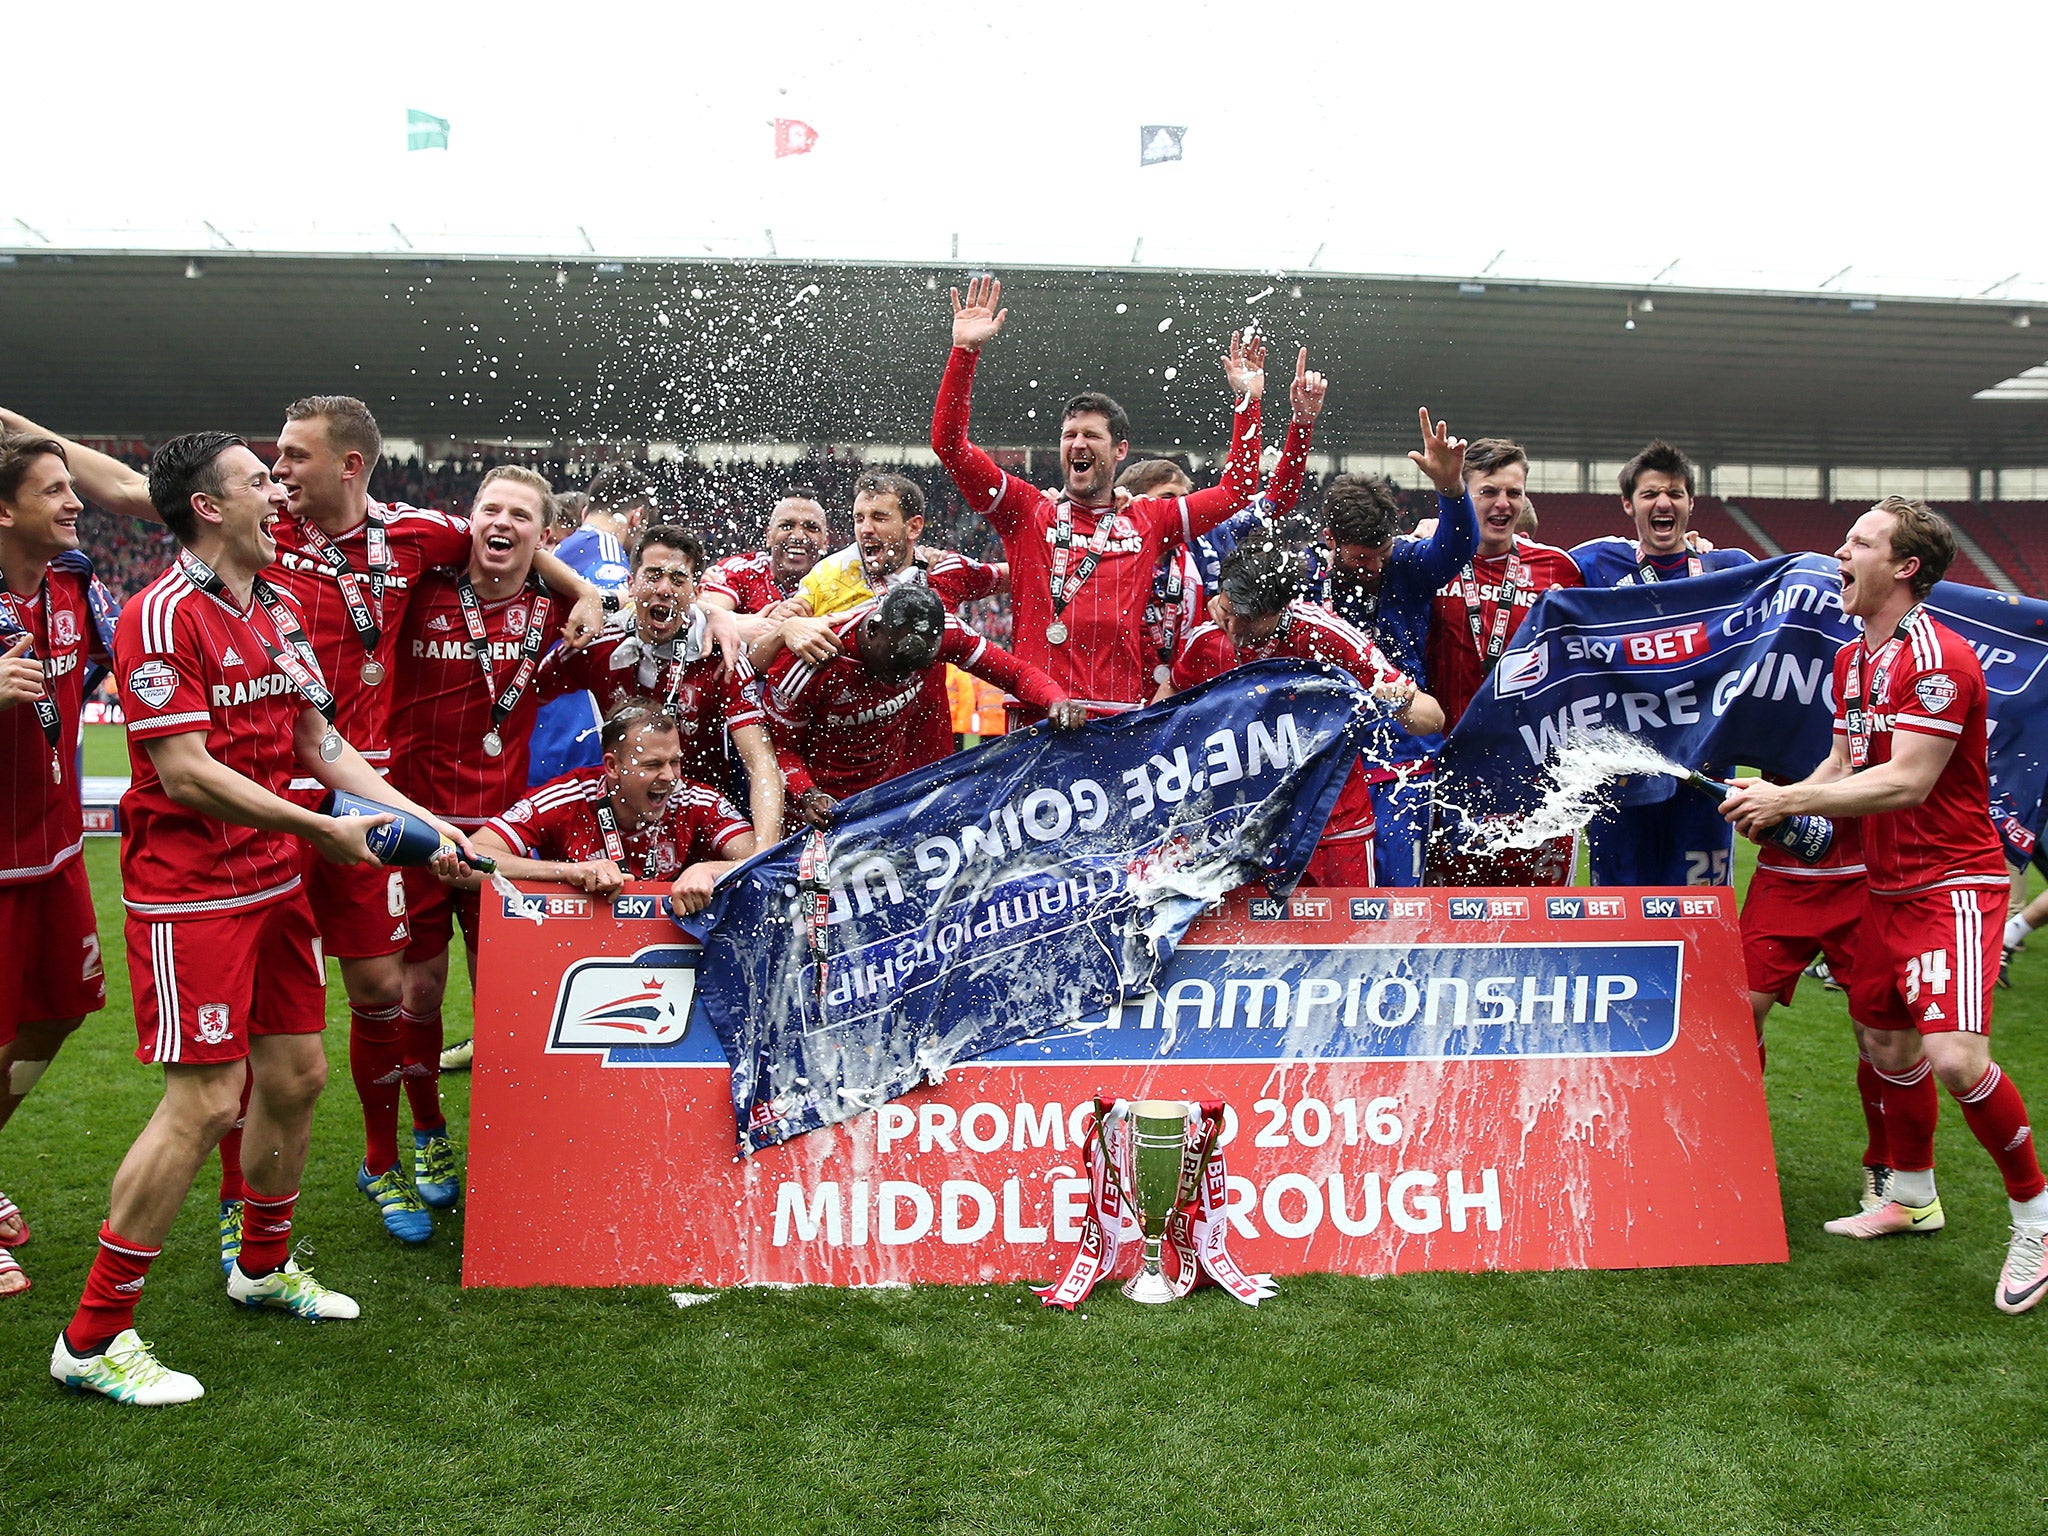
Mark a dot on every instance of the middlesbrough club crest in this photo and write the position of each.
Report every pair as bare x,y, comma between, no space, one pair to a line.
515,622
214,1027
63,627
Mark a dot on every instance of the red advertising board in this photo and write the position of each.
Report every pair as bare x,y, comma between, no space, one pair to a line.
1430,1079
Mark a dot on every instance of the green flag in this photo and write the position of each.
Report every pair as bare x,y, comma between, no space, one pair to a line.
423,130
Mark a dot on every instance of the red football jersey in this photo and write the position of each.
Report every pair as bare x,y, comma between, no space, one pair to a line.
187,662
1933,687
840,728
1452,658
415,542
747,579
1103,659
617,666
559,821
41,825
441,706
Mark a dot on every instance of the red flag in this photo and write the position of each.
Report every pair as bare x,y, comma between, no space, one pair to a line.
794,137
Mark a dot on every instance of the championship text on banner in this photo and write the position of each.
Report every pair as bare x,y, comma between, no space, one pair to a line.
1430,1079
1011,889
1732,668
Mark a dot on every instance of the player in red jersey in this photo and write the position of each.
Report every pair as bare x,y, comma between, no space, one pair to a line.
666,654
1473,618
1080,567
888,518
52,613
838,726
1254,616
757,581
469,655
637,818
1909,758
350,564
223,703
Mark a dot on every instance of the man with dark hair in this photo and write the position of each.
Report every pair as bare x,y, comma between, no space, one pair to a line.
56,621
1909,759
223,699
1474,617
1679,840
761,579
640,816
619,499
663,651
569,509
1082,566
1256,614
1385,586
839,725
350,563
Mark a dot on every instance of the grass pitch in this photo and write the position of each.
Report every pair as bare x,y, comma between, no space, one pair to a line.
1862,1387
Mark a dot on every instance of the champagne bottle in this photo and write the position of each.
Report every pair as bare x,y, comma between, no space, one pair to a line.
1806,838
408,840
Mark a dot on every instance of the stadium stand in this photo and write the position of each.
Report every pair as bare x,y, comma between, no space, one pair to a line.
1819,525
2014,534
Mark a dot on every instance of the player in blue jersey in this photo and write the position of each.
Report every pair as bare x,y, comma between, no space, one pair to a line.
565,733
1681,840
1387,587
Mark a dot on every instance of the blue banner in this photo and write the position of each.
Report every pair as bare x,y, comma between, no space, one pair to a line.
1010,890
1732,668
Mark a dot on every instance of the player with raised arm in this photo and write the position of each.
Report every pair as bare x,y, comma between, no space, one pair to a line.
1256,615
1475,616
838,726
1081,566
1680,840
639,817
1909,759
664,653
224,701
56,620
760,579
469,652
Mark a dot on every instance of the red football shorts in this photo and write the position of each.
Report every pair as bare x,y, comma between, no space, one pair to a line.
1344,856
1928,962
1788,919
49,950
203,986
358,908
432,910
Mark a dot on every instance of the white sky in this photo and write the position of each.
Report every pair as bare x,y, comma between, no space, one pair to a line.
1766,145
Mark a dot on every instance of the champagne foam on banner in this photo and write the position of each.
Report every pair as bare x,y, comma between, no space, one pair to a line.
1577,776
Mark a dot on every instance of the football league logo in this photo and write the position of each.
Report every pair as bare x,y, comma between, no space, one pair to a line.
153,682
1936,691
610,1004
1519,671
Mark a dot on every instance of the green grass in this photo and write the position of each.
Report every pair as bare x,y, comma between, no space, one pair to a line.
1859,1388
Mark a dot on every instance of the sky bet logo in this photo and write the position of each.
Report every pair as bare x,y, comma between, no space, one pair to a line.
1681,906
1266,909
639,908
1479,909
1582,906
1368,909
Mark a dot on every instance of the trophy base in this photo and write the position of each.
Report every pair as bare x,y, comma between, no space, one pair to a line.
1152,1289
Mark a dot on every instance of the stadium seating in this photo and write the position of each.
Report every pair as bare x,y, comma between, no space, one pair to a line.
1819,526
2012,533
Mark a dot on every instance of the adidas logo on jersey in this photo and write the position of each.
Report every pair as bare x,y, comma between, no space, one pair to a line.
1934,1014
439,623
399,935
232,658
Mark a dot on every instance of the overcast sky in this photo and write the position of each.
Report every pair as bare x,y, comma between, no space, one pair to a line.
1754,144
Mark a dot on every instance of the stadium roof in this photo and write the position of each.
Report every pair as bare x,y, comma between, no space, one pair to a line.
560,348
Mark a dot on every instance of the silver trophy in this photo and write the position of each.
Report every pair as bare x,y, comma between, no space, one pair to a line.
1159,1130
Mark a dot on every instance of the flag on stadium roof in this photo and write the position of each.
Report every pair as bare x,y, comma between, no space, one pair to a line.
423,130
1158,143
794,137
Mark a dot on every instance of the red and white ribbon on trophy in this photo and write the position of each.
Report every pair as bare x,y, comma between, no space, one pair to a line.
1197,1231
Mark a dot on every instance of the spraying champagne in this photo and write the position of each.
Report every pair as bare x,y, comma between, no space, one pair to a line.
1806,838
408,840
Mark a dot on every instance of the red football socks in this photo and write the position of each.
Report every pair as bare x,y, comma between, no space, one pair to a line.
112,1287
1911,1108
267,1231
423,1069
1997,1116
1870,1089
231,1146
376,1060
